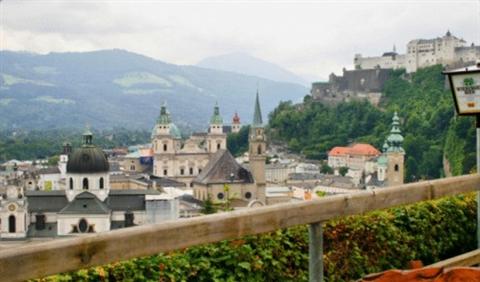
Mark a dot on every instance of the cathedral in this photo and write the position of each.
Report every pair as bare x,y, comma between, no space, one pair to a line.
223,179
184,160
85,205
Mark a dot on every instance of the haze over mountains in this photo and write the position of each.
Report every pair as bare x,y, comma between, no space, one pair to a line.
112,88
246,64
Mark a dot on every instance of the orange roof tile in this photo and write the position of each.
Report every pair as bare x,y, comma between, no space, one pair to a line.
357,149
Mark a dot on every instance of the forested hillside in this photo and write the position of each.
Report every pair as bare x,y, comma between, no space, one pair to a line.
115,88
40,144
428,124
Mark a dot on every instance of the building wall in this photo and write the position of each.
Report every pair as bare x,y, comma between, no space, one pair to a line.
395,169
93,184
236,191
49,182
65,223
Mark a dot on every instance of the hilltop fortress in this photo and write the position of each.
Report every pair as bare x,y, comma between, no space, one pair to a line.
368,78
447,50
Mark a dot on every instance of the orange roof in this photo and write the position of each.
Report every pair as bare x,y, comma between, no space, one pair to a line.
357,149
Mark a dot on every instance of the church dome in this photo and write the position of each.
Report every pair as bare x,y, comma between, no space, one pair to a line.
88,158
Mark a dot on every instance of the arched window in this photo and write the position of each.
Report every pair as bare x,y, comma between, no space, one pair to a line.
259,149
396,167
12,224
101,184
218,146
85,184
71,183
165,147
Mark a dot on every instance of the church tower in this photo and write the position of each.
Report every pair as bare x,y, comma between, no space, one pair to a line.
216,139
236,125
257,150
395,154
164,139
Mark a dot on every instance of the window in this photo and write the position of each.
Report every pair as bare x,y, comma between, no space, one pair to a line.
83,225
12,224
165,172
85,184
71,183
218,146
396,167
165,147
191,171
199,170
220,196
40,221
182,171
101,184
129,218
259,149
132,167
248,195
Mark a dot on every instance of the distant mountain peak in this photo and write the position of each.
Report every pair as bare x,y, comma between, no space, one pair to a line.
244,63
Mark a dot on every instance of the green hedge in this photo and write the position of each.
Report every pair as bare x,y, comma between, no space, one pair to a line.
354,246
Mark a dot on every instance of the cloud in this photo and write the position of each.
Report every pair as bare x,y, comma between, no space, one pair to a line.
309,38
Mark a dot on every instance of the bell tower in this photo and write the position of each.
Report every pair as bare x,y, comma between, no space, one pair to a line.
216,139
164,144
257,150
395,154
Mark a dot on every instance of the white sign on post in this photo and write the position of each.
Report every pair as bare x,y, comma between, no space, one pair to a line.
465,84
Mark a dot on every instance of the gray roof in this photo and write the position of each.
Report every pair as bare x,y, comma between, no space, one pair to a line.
220,167
46,201
49,170
85,203
128,200
166,182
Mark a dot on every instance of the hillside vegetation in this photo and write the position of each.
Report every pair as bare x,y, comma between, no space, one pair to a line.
428,123
353,246
116,88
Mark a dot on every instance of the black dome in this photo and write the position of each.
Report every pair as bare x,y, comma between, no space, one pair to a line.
88,158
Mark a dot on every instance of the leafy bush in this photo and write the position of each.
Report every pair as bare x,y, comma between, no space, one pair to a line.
353,246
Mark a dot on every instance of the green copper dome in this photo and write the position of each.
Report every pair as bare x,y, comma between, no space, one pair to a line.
216,117
88,158
395,138
382,160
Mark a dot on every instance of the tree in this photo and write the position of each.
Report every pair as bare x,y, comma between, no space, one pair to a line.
326,169
343,170
208,206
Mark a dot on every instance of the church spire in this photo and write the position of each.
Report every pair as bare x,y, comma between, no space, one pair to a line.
257,115
395,139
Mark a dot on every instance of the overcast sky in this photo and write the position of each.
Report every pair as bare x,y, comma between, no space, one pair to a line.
311,38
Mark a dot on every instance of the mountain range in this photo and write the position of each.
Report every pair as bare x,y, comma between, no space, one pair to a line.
246,64
117,88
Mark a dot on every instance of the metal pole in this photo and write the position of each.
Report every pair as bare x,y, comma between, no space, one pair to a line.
478,171
315,252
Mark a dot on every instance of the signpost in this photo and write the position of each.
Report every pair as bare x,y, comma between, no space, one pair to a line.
465,86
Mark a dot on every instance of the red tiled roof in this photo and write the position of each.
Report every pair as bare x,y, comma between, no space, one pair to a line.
357,149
